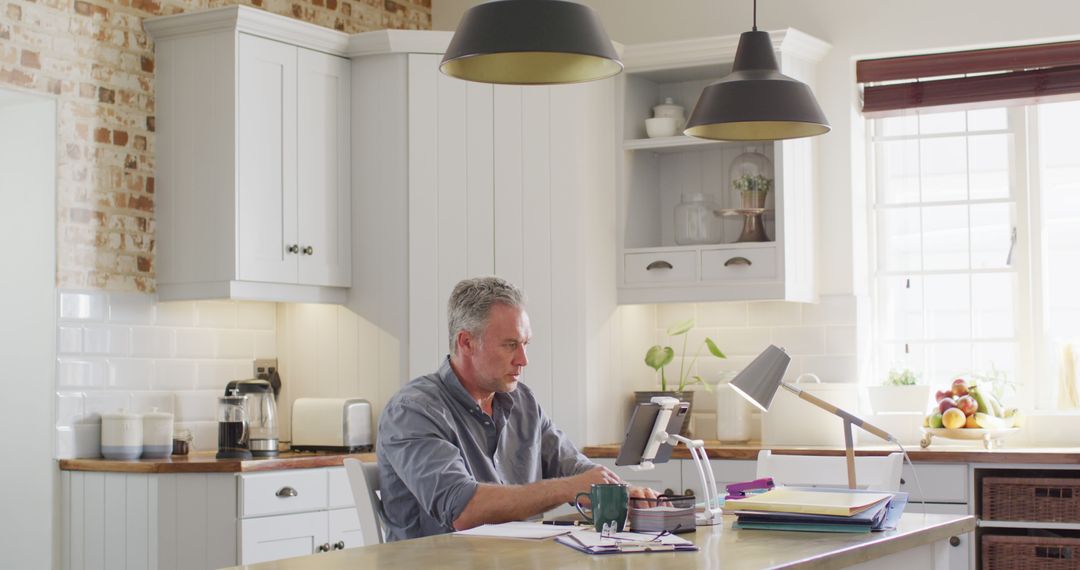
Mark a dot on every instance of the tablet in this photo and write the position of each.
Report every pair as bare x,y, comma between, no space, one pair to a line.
640,428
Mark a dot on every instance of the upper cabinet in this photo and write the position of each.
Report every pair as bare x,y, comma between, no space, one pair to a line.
693,222
253,157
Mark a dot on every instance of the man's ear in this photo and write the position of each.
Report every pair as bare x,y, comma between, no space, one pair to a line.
465,342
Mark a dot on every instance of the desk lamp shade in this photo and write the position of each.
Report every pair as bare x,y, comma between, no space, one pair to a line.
530,42
755,102
759,381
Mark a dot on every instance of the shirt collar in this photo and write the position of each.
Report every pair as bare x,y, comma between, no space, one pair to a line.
452,384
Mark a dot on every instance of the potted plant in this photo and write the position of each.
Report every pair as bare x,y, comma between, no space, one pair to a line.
753,189
902,391
658,357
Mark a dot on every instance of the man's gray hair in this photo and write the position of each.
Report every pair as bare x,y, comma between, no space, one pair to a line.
471,302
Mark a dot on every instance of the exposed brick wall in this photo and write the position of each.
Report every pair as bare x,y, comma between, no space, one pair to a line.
95,57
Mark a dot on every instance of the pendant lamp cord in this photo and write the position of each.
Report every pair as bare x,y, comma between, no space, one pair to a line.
755,15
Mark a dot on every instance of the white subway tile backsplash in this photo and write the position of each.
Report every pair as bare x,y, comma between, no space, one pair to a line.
742,341
800,340
112,340
131,308
82,306
79,373
142,402
769,313
256,316
69,408
153,342
216,314
722,314
673,314
215,374
100,402
832,368
175,375
69,340
176,314
235,344
204,435
130,373
841,339
265,343
196,343
197,405
830,310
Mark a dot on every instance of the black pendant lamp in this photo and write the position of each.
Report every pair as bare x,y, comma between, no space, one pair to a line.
755,102
530,42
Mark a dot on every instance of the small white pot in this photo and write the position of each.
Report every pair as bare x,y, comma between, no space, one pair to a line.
899,398
121,435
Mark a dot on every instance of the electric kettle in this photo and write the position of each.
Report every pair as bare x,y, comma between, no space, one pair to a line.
261,413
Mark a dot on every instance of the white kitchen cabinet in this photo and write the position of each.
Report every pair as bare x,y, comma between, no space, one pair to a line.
253,183
174,521
455,179
656,172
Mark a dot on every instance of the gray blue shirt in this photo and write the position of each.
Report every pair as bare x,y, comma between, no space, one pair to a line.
436,446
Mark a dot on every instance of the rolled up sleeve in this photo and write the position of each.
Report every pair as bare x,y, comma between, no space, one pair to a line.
427,461
559,456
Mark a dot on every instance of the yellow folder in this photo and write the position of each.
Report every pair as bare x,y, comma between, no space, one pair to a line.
784,500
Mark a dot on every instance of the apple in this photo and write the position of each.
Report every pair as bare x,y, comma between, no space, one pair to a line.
942,394
953,418
959,387
946,404
967,404
935,420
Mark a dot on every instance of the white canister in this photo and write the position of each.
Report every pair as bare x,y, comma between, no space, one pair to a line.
732,415
157,434
668,109
121,435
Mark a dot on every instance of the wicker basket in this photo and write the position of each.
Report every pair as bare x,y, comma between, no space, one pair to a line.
1030,553
1027,499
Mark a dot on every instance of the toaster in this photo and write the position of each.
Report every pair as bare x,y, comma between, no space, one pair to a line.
331,424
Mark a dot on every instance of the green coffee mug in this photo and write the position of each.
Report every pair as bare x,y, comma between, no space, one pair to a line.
609,504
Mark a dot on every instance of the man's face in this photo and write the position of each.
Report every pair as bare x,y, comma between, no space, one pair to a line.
499,357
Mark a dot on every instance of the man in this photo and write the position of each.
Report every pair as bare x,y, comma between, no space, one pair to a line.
468,444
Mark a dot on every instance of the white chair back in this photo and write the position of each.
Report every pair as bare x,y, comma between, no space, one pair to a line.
364,480
874,473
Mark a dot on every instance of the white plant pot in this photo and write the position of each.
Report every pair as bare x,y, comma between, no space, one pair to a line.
899,398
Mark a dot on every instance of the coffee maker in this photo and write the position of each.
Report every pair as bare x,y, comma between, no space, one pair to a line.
261,414
232,426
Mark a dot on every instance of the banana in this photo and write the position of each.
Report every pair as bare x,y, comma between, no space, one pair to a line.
986,421
995,406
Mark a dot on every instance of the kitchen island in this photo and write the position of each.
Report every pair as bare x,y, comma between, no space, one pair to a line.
920,541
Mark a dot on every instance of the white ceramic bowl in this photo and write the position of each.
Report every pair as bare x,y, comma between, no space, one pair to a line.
661,127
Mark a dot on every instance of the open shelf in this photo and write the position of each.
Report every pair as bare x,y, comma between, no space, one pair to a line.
676,143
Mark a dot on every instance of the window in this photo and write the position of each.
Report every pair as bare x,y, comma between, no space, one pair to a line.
975,227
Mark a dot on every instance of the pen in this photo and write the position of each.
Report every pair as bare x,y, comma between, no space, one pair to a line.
561,523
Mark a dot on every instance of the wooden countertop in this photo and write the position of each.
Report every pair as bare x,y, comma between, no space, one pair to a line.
205,462
934,454
720,546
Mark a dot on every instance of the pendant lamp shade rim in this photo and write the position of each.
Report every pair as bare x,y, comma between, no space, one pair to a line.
530,42
756,102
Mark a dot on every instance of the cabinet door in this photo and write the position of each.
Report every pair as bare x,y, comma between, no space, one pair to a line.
344,529
960,546
284,536
323,209
266,161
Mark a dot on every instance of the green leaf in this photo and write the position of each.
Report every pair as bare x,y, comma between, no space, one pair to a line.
704,384
713,348
659,356
680,328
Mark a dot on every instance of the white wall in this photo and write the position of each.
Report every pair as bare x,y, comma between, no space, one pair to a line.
855,28
27,341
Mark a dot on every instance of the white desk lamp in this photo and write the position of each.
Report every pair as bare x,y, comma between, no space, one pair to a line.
759,382
659,436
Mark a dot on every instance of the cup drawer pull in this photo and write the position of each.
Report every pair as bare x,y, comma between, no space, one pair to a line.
661,264
286,492
738,261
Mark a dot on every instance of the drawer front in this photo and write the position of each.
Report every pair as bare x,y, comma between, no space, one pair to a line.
667,267
340,491
732,264
282,492
942,483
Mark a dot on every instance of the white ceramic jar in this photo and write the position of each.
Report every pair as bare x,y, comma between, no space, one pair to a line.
121,435
668,109
157,434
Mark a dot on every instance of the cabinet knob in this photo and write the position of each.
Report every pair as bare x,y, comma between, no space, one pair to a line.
661,264
669,492
954,540
339,545
738,261
308,250
324,547
286,492
292,248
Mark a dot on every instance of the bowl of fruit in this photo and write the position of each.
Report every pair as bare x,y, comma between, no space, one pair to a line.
965,412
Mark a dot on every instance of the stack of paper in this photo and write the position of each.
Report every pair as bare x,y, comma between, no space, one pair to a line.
819,510
592,542
656,519
518,529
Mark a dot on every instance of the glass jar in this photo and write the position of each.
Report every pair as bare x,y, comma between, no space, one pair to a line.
696,220
751,178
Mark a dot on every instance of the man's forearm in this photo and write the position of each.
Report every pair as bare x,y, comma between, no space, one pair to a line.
502,503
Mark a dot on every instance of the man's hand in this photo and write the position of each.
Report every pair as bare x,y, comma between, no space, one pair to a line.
643,493
583,482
